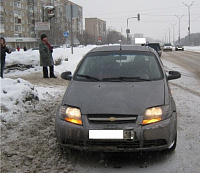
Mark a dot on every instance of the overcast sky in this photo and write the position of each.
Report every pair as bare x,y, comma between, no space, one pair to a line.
157,16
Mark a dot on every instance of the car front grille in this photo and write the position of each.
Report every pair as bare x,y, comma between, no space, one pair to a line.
112,119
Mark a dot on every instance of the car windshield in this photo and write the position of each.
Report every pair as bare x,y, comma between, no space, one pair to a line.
167,44
116,67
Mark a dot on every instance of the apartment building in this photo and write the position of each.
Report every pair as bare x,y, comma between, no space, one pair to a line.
96,30
19,17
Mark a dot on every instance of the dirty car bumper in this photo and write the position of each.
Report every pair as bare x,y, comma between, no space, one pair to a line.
157,136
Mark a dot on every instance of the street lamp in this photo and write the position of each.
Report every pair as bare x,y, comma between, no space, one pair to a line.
179,31
189,18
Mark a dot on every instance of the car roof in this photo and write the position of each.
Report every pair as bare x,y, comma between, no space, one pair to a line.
121,48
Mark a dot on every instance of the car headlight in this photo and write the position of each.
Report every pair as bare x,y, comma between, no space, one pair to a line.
70,114
156,114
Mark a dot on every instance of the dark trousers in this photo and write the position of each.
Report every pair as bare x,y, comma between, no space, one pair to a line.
2,68
45,72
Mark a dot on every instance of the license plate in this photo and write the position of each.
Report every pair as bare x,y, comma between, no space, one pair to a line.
105,134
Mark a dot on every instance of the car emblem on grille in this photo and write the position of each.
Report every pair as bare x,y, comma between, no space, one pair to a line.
112,119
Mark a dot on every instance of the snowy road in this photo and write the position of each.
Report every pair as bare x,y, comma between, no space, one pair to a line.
28,143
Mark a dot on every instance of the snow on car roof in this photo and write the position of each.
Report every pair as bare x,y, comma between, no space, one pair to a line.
117,48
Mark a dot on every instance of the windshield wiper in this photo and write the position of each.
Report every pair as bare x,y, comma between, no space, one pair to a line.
127,79
88,77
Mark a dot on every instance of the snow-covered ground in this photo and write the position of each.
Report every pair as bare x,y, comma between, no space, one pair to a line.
192,48
16,96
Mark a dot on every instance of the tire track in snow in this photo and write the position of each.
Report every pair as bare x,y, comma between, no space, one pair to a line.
196,93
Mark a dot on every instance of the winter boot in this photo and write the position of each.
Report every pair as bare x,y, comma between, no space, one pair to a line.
45,72
52,72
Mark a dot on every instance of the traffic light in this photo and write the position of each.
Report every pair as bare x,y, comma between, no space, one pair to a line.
138,17
49,12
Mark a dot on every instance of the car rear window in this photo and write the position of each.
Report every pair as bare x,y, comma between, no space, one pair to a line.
154,46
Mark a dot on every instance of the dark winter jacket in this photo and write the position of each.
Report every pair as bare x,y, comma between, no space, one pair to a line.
4,49
46,58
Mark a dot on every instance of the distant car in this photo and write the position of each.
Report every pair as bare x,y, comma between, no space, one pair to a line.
118,100
11,49
167,47
155,46
179,47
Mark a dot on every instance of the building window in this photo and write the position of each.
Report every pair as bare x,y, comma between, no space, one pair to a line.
18,20
1,18
15,12
11,20
1,9
2,27
18,28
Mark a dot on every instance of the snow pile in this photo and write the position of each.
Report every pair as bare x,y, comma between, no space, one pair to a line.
20,57
16,92
64,60
192,48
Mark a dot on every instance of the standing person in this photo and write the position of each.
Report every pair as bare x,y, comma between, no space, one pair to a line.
18,48
25,48
4,49
46,58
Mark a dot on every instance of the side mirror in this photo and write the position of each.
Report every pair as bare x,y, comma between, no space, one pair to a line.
66,75
173,75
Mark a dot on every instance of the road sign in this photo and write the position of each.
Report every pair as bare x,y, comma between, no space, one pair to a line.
75,11
41,26
99,39
66,34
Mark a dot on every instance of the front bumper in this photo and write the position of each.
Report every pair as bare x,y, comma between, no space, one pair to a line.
167,49
158,136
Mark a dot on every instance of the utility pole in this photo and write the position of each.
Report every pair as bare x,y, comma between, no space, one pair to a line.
169,35
173,31
166,39
179,31
71,10
189,18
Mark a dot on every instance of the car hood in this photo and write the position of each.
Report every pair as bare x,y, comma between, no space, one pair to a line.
114,97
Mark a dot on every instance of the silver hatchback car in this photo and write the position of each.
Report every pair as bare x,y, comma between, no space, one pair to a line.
118,99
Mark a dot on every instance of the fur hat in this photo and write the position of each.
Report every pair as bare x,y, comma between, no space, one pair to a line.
43,36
